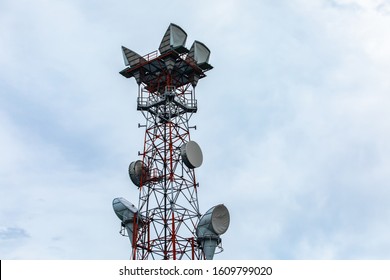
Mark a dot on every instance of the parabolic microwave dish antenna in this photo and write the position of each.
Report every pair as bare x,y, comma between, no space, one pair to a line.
191,154
213,223
138,172
128,214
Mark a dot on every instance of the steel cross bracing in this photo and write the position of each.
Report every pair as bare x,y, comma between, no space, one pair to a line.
168,199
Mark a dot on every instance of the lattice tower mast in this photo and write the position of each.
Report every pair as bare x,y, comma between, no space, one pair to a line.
165,223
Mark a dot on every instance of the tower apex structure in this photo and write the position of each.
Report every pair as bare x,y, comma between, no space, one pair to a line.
167,222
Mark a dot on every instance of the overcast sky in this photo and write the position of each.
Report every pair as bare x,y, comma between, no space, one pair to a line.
293,121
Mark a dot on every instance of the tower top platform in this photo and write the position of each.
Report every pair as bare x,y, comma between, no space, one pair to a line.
171,68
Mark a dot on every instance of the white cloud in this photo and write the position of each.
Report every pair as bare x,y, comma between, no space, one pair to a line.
316,170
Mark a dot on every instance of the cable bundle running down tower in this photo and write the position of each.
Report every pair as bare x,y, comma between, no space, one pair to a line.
167,223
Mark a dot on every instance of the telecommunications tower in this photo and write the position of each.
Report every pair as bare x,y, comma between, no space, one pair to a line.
167,223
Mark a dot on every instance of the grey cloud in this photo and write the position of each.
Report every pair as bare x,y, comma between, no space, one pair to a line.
13,233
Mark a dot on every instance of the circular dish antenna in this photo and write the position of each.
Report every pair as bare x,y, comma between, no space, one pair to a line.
216,220
191,154
122,208
136,171
212,224
220,219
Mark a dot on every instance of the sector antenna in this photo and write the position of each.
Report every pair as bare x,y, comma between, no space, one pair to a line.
167,222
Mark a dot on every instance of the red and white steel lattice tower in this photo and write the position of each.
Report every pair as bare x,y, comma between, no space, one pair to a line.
167,223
